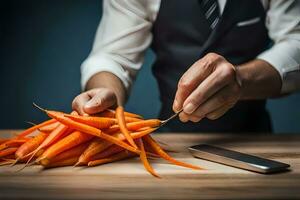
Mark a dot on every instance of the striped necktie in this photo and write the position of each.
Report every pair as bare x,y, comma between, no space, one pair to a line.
211,12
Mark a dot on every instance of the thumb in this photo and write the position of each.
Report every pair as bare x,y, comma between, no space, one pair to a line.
101,101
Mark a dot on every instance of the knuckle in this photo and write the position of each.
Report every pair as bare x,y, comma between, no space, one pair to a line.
212,60
184,83
228,71
104,98
209,65
214,56
209,59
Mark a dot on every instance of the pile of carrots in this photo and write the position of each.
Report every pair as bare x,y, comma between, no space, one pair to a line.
73,140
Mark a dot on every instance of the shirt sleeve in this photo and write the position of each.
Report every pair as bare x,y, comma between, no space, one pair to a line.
283,23
121,39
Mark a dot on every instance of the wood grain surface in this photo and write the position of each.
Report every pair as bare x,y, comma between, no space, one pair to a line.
129,180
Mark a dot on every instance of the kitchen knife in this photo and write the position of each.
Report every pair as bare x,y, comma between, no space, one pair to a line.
237,159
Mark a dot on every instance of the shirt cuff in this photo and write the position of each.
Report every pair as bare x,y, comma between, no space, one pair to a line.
94,65
285,59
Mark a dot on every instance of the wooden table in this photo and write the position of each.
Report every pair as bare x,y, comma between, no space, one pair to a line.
128,179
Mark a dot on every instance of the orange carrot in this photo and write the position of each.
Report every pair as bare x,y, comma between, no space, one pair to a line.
60,132
164,155
97,122
98,145
153,123
13,143
9,157
134,126
33,128
62,163
70,139
111,113
8,151
56,134
2,140
143,157
88,129
30,145
64,144
111,130
38,153
135,135
49,128
100,122
122,124
107,152
6,162
119,156
132,119
73,152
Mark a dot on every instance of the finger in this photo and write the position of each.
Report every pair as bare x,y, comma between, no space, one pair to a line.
194,118
183,117
101,101
79,102
219,112
193,77
221,77
227,95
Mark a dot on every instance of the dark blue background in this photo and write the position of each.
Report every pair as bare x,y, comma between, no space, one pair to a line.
43,44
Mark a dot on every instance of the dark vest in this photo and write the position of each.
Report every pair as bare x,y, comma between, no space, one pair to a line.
181,38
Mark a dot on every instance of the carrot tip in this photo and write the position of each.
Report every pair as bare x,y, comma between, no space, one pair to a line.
39,160
38,107
31,123
5,163
26,165
156,175
14,163
77,164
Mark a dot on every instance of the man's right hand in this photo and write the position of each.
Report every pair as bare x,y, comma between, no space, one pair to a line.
94,101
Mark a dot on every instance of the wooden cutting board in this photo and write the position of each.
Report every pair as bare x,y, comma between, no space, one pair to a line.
129,180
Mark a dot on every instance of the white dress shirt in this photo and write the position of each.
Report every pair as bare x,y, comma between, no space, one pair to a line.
125,33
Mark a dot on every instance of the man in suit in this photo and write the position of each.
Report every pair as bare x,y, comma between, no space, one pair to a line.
212,57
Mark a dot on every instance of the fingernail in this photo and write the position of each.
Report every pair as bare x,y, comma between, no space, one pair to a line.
189,108
175,106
